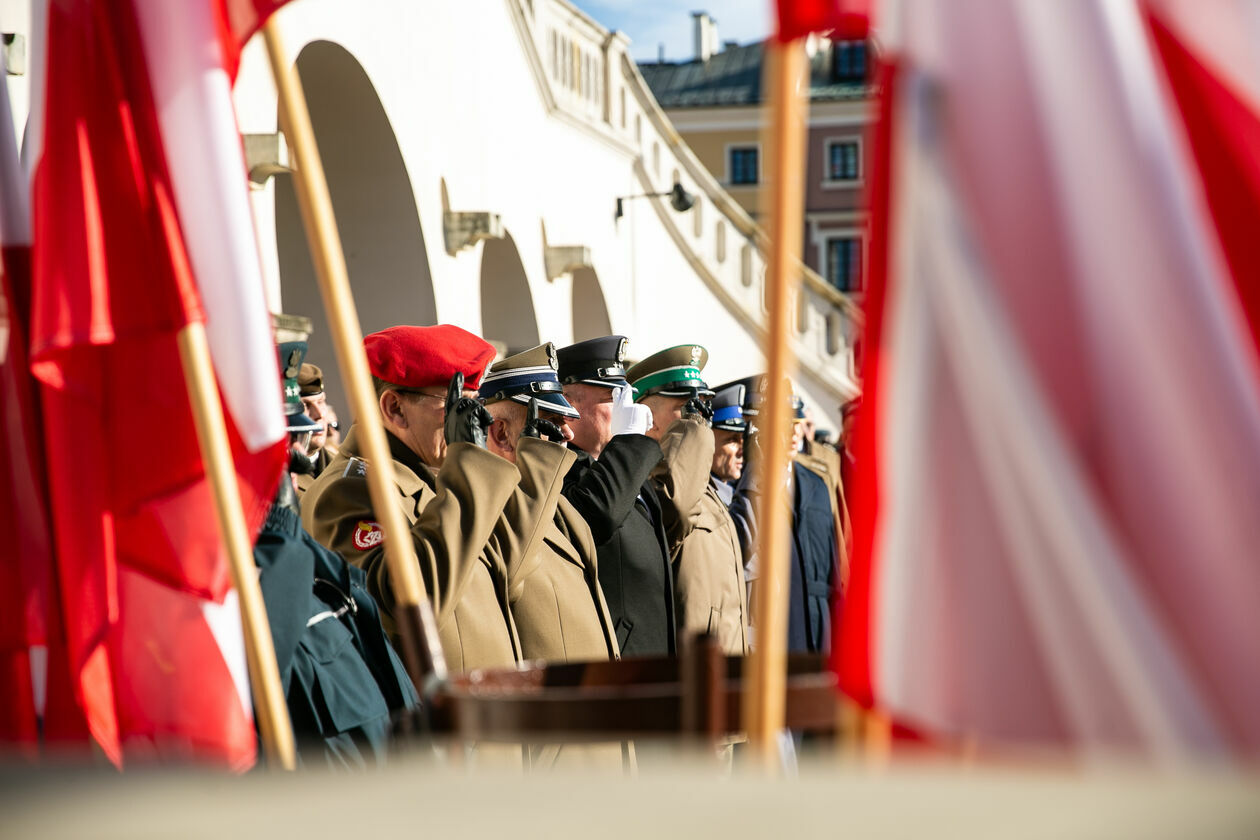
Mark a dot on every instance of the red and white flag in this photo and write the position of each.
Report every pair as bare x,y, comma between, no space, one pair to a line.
141,226
841,19
25,554
1057,523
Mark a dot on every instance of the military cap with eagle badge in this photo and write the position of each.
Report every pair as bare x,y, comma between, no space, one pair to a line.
596,361
530,374
673,372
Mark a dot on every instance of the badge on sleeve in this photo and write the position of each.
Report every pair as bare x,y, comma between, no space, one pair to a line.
368,535
356,468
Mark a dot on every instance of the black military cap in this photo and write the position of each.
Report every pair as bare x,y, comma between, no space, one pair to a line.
596,361
728,412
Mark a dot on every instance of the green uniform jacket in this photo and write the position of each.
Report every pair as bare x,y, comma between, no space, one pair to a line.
463,538
556,600
709,588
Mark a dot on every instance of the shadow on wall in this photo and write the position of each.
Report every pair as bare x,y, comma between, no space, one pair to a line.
590,312
375,208
507,307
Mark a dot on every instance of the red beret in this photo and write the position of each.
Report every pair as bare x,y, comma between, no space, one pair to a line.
422,357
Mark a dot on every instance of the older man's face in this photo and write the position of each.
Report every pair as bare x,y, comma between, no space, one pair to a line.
593,429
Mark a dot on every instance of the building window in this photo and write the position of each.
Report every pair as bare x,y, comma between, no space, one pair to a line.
844,263
844,162
848,61
742,167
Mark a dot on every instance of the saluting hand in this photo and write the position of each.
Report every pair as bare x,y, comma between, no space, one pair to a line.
539,428
466,419
629,418
698,408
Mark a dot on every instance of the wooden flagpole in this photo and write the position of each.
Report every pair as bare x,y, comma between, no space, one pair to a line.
422,655
216,454
785,141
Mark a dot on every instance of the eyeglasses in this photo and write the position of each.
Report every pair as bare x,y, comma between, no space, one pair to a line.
440,398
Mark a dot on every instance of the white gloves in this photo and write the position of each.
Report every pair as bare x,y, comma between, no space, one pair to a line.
629,418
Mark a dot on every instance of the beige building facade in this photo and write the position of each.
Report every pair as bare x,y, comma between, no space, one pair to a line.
715,101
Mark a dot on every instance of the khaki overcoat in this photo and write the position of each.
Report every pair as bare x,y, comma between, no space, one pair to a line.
465,525
554,592
709,588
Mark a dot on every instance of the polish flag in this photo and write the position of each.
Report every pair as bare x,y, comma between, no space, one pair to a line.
142,225
1057,519
842,19
25,553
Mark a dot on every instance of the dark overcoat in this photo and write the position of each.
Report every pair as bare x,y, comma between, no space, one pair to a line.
615,497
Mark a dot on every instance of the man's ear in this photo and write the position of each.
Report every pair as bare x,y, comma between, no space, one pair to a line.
391,410
498,433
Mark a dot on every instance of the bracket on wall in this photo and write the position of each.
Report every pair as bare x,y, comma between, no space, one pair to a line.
465,229
564,259
14,54
265,155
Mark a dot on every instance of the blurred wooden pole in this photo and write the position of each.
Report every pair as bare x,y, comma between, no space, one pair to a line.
216,453
422,654
785,145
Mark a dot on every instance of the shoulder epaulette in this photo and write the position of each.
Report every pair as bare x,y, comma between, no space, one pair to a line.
356,468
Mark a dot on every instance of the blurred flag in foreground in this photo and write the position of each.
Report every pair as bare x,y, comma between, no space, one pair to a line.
842,19
1061,429
141,225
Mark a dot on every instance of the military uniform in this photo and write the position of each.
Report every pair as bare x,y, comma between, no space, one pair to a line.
466,518
554,591
825,463
455,522
710,592
310,380
615,497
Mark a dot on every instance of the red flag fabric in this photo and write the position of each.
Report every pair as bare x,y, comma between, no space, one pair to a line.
238,21
1059,444
127,246
844,19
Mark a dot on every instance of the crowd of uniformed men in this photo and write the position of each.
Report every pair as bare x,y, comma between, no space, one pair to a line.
563,507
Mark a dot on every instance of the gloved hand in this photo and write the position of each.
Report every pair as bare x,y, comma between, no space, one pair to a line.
628,417
536,428
698,408
753,457
466,419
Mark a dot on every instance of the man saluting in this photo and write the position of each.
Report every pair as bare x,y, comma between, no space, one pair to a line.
453,491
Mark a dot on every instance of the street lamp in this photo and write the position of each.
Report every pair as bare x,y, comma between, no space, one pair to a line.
679,199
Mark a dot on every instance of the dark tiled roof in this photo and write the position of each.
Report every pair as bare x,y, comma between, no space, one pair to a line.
733,77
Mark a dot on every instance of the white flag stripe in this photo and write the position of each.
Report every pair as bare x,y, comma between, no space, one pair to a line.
224,621
1066,527
1065,560
36,54
194,104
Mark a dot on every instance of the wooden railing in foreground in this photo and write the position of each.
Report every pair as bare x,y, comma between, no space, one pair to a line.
699,694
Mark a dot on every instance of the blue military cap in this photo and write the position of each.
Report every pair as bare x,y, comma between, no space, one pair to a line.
596,361
530,374
754,392
728,412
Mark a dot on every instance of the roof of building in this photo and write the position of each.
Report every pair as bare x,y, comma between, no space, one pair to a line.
733,77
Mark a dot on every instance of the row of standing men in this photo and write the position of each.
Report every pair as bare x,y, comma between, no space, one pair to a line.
564,507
